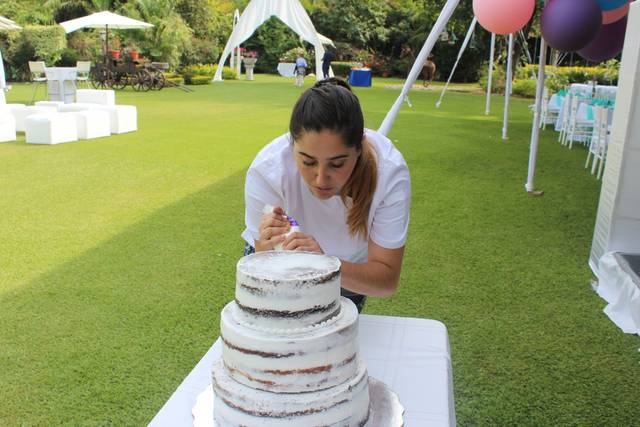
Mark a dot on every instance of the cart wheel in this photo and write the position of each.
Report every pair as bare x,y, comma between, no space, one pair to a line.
120,80
101,78
158,80
142,81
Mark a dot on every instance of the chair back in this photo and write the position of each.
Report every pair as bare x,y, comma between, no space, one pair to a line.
83,67
37,67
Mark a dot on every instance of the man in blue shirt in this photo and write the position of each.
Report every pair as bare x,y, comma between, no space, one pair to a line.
301,70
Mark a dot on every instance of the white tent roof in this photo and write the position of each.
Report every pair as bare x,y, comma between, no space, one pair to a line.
102,20
257,12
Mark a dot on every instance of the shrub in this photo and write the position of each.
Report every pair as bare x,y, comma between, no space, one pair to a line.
497,80
200,80
341,69
206,70
292,54
174,78
525,88
34,42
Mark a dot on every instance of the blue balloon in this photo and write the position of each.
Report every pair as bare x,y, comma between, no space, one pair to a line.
611,4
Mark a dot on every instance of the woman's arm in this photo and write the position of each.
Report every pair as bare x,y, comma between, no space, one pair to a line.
379,276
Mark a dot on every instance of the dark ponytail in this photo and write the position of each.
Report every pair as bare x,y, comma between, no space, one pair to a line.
331,105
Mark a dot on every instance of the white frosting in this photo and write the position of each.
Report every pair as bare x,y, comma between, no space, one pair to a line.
304,360
237,405
303,287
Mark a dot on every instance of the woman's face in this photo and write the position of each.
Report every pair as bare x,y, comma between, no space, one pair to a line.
324,162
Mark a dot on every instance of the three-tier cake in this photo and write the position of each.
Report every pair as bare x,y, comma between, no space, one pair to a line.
289,347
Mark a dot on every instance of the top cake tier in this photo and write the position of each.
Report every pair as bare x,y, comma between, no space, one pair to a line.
287,290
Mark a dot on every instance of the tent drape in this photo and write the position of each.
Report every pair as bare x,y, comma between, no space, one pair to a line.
257,12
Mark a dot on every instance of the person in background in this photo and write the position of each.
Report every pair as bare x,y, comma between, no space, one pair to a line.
301,70
326,62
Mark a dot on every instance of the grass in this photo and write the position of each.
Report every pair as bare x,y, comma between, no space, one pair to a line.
117,255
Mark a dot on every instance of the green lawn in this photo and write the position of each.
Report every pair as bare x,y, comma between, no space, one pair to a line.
117,254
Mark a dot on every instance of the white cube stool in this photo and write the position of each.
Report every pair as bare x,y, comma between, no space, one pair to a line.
51,128
92,123
78,106
54,104
10,108
124,118
21,114
94,96
7,127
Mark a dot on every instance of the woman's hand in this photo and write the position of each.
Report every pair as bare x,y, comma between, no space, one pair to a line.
273,227
301,242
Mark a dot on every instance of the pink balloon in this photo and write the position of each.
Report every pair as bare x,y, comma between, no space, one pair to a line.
611,16
503,16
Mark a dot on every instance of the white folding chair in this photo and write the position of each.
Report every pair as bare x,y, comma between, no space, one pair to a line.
594,145
83,68
38,76
579,129
566,115
601,154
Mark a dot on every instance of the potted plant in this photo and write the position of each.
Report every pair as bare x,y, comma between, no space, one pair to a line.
249,58
132,51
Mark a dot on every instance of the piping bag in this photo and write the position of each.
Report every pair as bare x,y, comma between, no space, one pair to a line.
295,227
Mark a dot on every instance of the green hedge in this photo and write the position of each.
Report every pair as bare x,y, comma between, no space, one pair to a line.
200,80
174,78
209,70
556,77
33,43
341,69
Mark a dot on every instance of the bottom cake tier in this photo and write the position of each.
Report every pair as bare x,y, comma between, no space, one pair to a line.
346,404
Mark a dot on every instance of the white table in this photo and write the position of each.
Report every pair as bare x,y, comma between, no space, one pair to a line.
411,356
287,69
61,83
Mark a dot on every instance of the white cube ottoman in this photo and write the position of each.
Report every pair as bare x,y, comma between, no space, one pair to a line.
7,127
94,96
124,118
51,128
54,104
77,106
92,123
22,113
10,108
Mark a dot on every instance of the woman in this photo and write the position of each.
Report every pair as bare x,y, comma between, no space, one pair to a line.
348,187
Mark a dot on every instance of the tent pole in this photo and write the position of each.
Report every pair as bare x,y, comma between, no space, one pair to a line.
455,65
507,88
487,107
440,24
535,127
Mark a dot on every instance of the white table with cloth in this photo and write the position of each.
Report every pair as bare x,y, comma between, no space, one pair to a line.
287,69
410,355
61,83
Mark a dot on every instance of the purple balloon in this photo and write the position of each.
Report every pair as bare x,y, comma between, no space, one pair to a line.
570,25
607,44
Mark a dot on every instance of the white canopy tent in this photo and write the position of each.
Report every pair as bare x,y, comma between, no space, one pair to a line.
5,24
106,20
257,12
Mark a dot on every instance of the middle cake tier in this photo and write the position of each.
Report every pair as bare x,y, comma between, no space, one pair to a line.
309,359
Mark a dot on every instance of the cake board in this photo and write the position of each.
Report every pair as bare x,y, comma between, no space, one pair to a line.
385,407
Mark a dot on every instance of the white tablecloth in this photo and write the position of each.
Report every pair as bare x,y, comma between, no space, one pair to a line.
287,69
411,356
61,83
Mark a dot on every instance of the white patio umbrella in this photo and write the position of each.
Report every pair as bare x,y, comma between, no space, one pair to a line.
106,20
8,24
5,24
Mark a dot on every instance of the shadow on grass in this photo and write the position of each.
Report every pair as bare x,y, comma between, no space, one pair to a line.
106,337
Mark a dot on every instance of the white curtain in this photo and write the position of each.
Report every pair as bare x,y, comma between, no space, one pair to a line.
257,12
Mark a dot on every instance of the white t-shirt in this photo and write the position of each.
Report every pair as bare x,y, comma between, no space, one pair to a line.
273,179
